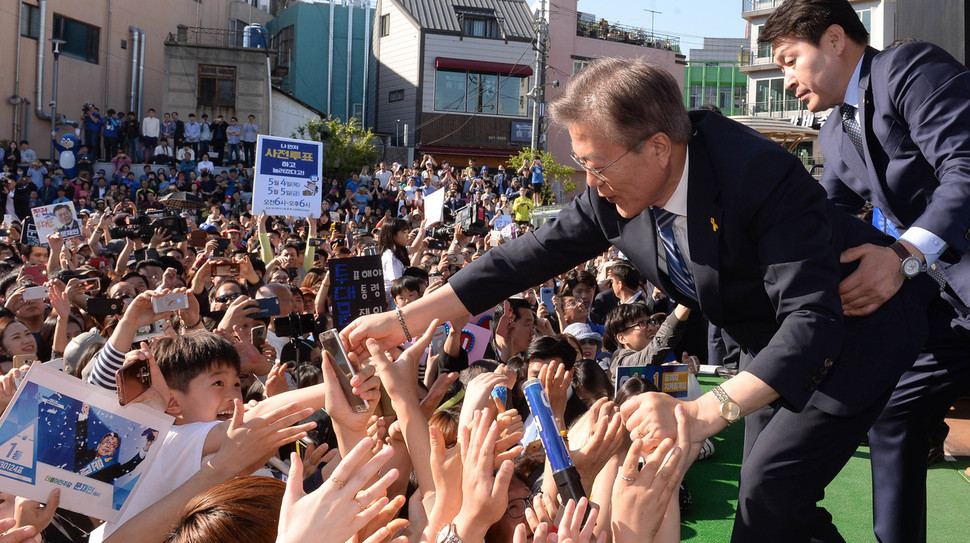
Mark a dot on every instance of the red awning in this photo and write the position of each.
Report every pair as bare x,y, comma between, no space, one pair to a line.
482,66
468,151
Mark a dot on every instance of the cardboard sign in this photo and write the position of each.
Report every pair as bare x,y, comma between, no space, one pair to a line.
357,288
60,218
287,177
28,236
669,378
60,432
434,204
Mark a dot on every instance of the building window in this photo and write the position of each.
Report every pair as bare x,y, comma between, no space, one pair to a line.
217,86
865,15
724,98
237,30
449,90
30,21
481,93
385,24
579,65
358,112
694,99
477,22
764,49
284,46
81,40
772,97
396,95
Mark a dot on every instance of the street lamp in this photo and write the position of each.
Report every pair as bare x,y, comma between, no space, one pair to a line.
56,44
397,132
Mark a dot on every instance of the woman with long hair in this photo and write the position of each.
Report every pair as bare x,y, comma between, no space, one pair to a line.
392,244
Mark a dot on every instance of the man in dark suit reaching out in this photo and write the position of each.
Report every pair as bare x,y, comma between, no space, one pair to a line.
899,137
725,221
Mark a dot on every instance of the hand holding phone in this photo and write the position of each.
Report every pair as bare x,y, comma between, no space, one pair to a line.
269,307
34,293
257,335
172,301
345,371
133,380
102,307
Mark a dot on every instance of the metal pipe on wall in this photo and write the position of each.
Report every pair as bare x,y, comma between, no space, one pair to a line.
141,73
363,103
132,95
16,80
330,60
350,56
41,49
107,57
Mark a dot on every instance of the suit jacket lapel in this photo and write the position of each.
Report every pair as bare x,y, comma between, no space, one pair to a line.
866,112
704,227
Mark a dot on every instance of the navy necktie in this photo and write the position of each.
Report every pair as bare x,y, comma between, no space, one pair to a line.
676,266
852,128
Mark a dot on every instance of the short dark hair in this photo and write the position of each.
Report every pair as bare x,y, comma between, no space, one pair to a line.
515,304
576,277
617,319
189,355
808,20
405,282
546,347
626,274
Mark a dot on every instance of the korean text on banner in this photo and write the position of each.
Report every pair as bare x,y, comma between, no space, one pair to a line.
288,177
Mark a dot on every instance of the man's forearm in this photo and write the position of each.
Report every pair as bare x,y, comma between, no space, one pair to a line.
744,389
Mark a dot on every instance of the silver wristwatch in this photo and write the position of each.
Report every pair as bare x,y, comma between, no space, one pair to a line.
448,535
909,265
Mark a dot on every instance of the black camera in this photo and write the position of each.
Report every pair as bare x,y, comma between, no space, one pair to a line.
144,226
294,325
472,220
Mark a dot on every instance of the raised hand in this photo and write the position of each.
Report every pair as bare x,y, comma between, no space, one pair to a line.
343,505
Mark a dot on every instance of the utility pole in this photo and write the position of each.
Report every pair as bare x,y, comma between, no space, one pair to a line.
538,91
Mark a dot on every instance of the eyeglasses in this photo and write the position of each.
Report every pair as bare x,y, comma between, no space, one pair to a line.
517,506
598,173
643,324
226,298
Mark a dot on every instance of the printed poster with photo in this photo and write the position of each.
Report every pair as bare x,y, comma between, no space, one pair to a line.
287,177
60,432
60,218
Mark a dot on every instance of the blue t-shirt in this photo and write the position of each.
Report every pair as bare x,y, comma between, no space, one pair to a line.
111,128
537,170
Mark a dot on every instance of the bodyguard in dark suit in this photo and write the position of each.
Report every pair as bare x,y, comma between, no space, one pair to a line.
754,244
899,137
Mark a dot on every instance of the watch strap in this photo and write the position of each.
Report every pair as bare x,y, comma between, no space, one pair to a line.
901,251
721,396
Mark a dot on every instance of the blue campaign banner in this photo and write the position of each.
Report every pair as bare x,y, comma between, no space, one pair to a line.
669,378
288,177
356,288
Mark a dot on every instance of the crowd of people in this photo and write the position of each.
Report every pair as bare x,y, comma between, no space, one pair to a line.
279,436
240,403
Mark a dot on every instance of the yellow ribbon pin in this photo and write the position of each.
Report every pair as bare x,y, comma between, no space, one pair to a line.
713,224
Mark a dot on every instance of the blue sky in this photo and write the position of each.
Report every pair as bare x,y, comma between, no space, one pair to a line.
691,20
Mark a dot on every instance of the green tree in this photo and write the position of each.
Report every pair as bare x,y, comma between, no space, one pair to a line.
554,172
346,145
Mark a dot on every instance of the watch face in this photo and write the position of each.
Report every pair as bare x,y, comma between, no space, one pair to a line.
730,411
911,266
